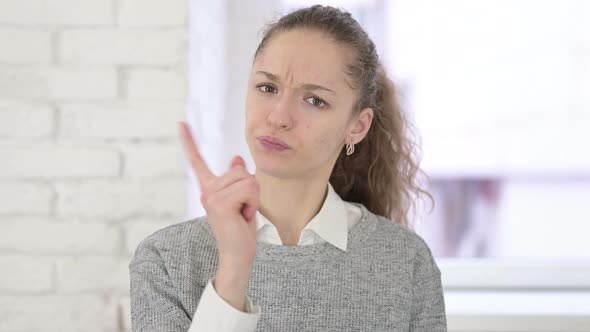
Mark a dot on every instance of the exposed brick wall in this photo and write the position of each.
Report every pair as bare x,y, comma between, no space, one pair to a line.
90,162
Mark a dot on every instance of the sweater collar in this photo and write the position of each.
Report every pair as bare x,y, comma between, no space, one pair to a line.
330,223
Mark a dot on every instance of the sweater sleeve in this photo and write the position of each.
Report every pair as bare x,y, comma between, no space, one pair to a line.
155,305
428,306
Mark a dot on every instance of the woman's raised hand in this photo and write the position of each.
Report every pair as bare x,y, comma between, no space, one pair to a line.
231,202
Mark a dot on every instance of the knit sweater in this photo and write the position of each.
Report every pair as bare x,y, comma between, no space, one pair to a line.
386,280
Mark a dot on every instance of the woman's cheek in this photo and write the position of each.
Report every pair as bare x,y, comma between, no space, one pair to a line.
323,144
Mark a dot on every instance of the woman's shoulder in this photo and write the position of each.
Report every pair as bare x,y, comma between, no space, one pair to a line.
401,239
189,228
185,236
392,228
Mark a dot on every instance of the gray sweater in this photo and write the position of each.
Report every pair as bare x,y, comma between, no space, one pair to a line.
386,280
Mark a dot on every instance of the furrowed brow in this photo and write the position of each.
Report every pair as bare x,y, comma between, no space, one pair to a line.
308,86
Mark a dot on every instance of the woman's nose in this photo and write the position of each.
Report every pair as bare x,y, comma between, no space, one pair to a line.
280,116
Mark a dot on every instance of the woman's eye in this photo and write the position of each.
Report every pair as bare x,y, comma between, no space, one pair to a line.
265,88
317,102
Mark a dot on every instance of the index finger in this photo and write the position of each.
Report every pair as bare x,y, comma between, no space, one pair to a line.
203,172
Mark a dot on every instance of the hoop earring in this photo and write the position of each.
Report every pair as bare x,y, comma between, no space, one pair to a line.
350,147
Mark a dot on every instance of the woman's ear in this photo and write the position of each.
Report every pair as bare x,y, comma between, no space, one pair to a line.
361,126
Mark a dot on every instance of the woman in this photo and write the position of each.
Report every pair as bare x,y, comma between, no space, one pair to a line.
306,242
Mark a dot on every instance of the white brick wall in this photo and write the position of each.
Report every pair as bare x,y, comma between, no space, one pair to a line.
48,312
43,161
90,162
28,274
152,13
57,12
25,46
141,46
51,83
46,236
26,120
127,120
29,198
155,84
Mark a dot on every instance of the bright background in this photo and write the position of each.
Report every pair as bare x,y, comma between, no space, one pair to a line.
90,161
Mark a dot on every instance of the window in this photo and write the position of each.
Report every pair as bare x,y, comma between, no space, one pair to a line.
501,95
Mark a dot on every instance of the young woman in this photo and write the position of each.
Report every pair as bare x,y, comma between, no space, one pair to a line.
318,238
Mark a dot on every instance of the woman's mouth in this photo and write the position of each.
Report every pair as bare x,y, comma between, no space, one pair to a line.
273,143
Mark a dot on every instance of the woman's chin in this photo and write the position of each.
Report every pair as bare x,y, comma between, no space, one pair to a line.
273,166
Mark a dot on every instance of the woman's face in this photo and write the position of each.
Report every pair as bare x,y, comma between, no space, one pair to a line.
298,93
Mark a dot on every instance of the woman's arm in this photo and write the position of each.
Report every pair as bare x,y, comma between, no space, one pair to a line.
428,312
155,305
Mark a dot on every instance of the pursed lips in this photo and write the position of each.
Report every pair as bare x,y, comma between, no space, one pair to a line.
273,140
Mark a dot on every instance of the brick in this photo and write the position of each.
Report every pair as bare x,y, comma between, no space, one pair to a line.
93,274
20,198
153,160
61,162
122,46
63,12
23,120
156,84
88,313
153,12
38,236
122,121
25,274
138,230
120,200
52,83
22,46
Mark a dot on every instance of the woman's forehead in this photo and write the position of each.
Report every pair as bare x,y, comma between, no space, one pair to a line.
303,57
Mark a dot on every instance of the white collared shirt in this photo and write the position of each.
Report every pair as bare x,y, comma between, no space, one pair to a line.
215,314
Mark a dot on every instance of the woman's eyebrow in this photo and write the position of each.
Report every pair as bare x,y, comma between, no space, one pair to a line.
307,86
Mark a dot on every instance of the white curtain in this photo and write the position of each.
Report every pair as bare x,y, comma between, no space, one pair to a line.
223,38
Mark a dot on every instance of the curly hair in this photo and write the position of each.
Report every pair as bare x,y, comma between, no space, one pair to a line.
383,172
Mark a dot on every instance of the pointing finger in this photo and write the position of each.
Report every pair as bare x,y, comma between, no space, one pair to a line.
201,169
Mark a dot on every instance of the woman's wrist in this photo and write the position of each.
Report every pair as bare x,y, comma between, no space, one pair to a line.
231,283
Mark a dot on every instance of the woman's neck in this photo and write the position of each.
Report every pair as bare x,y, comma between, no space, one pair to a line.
290,204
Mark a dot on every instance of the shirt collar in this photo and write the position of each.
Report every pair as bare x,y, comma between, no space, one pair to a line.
330,223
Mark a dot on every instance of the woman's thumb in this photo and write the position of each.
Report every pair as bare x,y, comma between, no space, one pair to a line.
237,161
248,212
